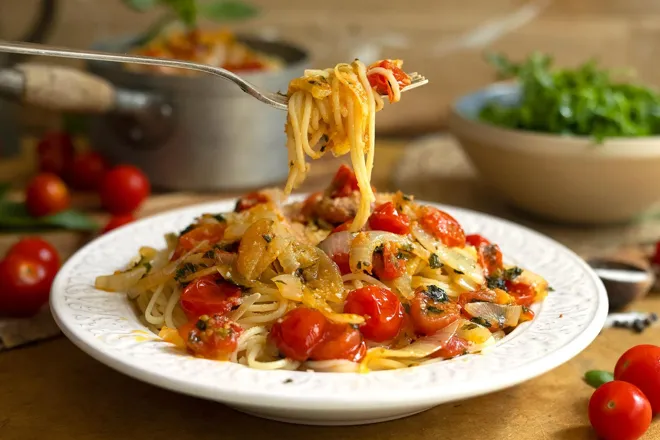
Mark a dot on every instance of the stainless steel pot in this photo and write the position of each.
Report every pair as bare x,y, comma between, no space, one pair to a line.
186,133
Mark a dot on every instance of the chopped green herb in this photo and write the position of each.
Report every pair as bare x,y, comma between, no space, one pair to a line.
288,380
187,229
550,289
379,249
184,271
267,237
148,266
436,293
406,307
469,327
210,253
435,310
322,148
481,321
512,273
406,197
434,261
280,282
201,324
219,217
458,272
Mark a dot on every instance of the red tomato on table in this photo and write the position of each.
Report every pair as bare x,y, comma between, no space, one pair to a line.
442,226
46,194
123,189
55,152
640,366
207,296
87,171
40,250
619,411
386,218
381,308
24,285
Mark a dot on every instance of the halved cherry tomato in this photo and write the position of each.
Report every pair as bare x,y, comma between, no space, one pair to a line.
211,232
381,308
340,341
387,266
24,285
379,83
341,259
490,256
211,337
482,295
46,194
386,218
431,310
117,221
55,153
123,189
87,171
299,332
523,293
206,296
619,411
456,346
640,366
250,200
344,183
442,226
343,227
40,250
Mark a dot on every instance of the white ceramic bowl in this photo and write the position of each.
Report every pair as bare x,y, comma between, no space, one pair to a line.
106,326
562,178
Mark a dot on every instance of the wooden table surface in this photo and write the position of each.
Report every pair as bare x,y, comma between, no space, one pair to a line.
52,390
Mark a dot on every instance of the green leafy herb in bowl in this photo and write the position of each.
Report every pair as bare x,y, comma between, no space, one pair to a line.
584,101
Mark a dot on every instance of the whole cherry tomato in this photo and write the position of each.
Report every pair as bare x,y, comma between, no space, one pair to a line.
87,171
387,266
344,183
46,194
619,411
386,218
381,308
340,341
55,153
207,296
40,250
490,256
24,285
431,310
640,366
123,189
117,221
298,332
211,337
442,226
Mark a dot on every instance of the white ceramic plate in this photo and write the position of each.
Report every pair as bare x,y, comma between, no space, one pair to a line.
106,326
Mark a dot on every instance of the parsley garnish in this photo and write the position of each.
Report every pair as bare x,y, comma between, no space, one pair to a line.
481,321
434,261
210,253
512,273
220,218
187,229
201,324
379,249
436,293
433,309
495,282
459,272
184,271
267,237
406,307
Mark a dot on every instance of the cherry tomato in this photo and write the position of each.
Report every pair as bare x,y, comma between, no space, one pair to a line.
379,83
386,218
87,171
442,226
490,256
40,250
340,341
24,285
431,310
211,337
482,295
299,332
123,189
387,266
523,293
619,411
526,315
309,205
343,227
206,296
55,153
344,183
640,366
250,200
342,260
117,221
46,194
381,308
211,232
456,346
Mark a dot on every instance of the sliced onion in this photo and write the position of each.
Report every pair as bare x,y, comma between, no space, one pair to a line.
403,285
365,243
423,281
448,256
337,243
496,314
289,286
247,302
324,277
473,332
120,282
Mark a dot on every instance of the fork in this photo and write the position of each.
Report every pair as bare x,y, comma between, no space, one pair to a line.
276,100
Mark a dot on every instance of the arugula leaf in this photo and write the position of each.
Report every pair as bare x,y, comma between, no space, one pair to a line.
14,215
226,10
583,101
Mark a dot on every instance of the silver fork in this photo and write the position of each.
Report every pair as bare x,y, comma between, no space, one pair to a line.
276,100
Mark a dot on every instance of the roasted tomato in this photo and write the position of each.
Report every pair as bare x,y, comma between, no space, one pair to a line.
207,296
46,194
250,200
442,226
297,333
456,346
211,337
387,266
386,218
490,256
640,366
431,310
379,82
210,232
485,295
340,341
342,260
343,184
619,411
308,208
343,227
381,308
523,293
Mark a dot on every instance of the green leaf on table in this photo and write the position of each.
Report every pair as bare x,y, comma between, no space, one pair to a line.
14,215
75,124
595,378
141,5
4,189
185,10
226,10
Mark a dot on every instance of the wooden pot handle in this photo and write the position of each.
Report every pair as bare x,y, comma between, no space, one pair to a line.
66,89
